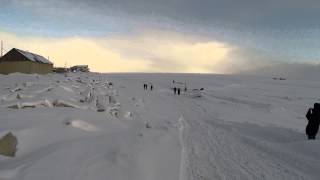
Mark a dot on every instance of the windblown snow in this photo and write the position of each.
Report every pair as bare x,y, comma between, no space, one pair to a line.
95,126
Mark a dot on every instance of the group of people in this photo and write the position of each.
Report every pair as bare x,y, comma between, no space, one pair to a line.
145,86
313,116
176,90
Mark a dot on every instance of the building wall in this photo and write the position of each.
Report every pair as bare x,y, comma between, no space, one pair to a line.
27,67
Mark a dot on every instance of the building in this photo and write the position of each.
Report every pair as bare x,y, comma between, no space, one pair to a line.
17,60
60,70
80,68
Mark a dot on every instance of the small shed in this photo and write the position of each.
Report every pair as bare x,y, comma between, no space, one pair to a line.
80,68
17,60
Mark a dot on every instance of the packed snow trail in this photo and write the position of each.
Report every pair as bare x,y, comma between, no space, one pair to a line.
216,150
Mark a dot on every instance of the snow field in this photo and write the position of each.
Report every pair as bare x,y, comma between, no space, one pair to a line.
105,126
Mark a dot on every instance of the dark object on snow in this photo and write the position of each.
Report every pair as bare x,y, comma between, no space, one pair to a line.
281,78
148,126
179,91
313,116
201,89
175,90
8,145
145,86
151,87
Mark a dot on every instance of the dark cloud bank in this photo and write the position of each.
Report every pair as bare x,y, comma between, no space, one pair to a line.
261,14
255,23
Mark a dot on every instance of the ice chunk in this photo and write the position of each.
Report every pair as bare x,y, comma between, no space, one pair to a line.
77,123
8,145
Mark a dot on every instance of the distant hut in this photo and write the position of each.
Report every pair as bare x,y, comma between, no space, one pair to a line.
17,60
80,68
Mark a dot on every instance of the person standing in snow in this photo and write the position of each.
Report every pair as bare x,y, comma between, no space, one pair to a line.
313,116
151,87
175,90
178,91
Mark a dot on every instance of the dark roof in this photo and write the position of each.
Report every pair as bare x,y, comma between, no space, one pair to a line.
33,57
80,66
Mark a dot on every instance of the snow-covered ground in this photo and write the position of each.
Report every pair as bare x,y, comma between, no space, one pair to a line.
105,126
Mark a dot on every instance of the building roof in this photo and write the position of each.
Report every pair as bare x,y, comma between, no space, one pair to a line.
33,57
80,66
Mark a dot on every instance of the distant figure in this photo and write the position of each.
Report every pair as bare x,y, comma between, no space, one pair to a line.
313,116
185,89
151,87
178,91
145,86
175,90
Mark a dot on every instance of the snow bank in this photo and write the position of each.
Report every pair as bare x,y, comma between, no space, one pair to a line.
77,123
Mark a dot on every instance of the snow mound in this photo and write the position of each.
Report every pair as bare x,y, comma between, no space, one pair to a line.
33,104
80,124
139,103
128,115
10,173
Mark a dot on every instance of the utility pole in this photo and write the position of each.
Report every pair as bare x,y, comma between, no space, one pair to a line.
1,49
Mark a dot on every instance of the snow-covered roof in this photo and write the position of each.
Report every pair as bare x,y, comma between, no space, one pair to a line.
33,57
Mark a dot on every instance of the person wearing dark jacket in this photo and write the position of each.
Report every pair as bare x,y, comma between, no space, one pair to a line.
313,116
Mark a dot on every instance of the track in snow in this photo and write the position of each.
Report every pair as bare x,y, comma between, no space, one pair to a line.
216,150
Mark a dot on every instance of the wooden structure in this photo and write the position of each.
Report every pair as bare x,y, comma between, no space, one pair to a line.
80,68
17,60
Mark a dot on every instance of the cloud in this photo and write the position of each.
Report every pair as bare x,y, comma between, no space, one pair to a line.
289,70
173,52
286,27
158,51
147,52
274,14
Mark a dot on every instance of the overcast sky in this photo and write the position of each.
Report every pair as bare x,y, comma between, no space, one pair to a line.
218,36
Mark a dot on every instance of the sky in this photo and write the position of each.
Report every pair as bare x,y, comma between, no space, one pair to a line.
184,36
